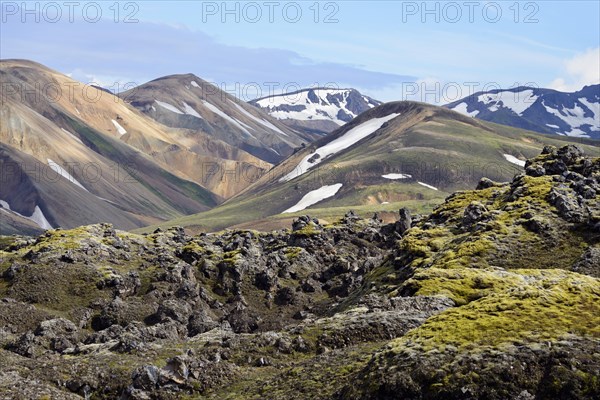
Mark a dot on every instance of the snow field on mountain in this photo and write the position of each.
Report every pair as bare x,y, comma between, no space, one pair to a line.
348,139
315,196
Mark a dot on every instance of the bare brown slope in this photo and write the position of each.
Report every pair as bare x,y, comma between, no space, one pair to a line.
76,173
186,101
179,151
27,184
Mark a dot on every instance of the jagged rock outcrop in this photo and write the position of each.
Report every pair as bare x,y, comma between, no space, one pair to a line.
520,261
125,297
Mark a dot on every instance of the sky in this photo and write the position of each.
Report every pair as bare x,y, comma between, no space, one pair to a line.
436,52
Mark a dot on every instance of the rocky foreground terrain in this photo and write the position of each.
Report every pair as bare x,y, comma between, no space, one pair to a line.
495,295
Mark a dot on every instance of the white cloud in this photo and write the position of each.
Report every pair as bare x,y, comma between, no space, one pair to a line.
583,69
153,50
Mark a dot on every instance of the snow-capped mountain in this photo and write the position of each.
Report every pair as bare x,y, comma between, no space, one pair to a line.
542,110
394,153
317,111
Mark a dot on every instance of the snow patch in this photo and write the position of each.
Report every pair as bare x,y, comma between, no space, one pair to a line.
396,176
37,216
575,117
62,172
462,108
315,196
594,108
322,109
119,128
190,111
72,135
169,107
553,126
514,160
349,138
194,84
427,186
518,102
261,121
243,127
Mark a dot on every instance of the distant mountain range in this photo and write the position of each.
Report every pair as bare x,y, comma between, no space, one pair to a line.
316,111
398,154
178,146
322,110
82,155
542,110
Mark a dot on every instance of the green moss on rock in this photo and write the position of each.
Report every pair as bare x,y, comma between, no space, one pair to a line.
521,306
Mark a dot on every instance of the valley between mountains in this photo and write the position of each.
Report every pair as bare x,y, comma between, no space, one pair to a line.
178,150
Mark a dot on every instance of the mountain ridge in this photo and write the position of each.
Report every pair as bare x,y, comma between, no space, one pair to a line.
188,102
414,159
318,110
542,110
69,135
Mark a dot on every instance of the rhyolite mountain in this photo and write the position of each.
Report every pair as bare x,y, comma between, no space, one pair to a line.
574,114
394,155
494,295
73,155
316,111
77,154
188,102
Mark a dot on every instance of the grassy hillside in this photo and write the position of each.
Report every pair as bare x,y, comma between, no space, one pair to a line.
438,147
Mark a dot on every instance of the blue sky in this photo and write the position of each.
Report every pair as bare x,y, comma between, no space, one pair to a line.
391,50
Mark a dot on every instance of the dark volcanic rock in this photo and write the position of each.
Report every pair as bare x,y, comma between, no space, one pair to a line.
474,213
405,221
54,335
